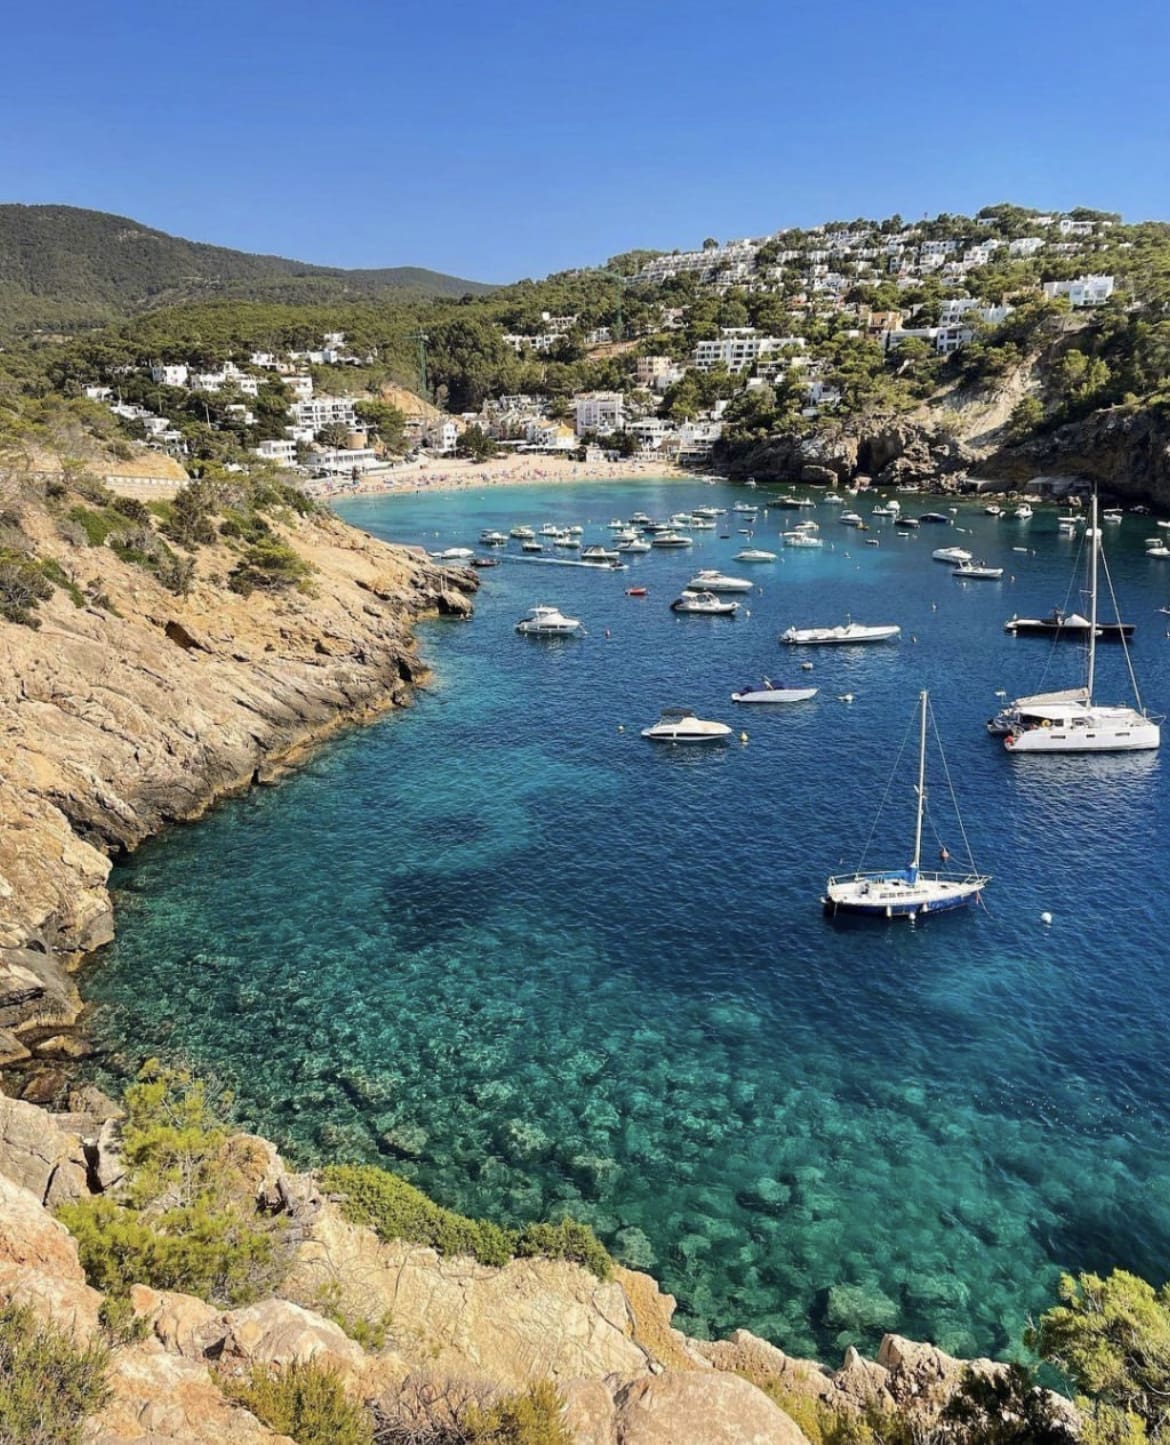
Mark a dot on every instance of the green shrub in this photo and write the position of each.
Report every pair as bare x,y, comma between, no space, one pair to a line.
248,526
47,1384
395,1209
191,513
1004,1409
370,1333
304,1401
532,1417
57,574
134,509
97,526
23,587
269,565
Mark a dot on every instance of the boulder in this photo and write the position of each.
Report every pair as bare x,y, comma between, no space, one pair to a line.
182,1324
700,1409
30,1236
589,1415
39,1155
276,1332
67,1303
743,1353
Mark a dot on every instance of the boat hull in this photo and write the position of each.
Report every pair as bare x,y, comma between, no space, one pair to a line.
898,895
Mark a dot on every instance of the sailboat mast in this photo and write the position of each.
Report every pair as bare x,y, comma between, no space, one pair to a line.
921,790
1095,539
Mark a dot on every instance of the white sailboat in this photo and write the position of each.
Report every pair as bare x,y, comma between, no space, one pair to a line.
912,891
1070,721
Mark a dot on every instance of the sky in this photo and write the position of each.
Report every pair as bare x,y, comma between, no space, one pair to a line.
498,140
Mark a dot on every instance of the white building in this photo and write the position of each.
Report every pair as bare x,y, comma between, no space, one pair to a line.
320,411
738,347
1025,246
275,450
442,436
300,386
656,373
952,312
1068,227
98,393
600,411
168,375
342,461
549,436
1084,291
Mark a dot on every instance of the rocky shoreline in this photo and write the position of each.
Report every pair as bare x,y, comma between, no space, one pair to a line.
119,719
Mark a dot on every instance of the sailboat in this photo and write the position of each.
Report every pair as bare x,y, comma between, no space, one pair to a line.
1070,721
906,892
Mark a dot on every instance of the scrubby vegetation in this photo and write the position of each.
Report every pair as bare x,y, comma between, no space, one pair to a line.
48,1385
186,1218
397,1210
455,1412
304,1401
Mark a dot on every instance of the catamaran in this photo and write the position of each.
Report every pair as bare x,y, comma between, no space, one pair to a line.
1070,721
907,892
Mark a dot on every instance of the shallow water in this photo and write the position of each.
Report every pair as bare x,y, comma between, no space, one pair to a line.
537,964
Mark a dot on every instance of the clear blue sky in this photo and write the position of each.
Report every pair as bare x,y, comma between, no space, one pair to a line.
497,140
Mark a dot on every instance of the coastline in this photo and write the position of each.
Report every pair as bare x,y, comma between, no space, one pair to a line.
457,474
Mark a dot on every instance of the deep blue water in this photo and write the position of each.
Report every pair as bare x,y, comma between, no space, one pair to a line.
538,964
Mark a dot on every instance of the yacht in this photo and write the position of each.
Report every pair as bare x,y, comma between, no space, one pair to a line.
597,553
454,554
704,604
977,572
850,519
493,539
849,632
550,529
940,519
993,509
708,512
1071,722
639,519
801,539
907,522
616,525
672,539
680,725
1023,512
754,554
912,891
547,622
712,581
749,508
637,545
890,508
768,691
1060,623
522,534
954,555
701,524
530,544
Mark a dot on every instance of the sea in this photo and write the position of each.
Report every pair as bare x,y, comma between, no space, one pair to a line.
503,945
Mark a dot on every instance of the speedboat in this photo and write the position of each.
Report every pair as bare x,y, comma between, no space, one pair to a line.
912,522
849,632
704,604
953,555
680,725
708,511
1059,623
550,529
891,508
939,518
493,539
672,539
639,519
576,529
768,691
993,509
481,562
522,534
1112,514
801,539
754,554
849,519
530,544
616,525
597,553
454,554
1022,512
548,622
701,524
566,539
711,581
752,507
637,545
978,572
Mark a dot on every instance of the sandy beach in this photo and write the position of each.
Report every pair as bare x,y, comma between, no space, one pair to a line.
443,474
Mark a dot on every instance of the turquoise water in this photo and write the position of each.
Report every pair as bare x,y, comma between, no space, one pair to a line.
537,964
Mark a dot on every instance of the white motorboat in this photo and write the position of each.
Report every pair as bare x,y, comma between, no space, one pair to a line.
801,539
597,553
1112,514
639,519
912,891
566,539
522,534
708,512
680,725
850,519
1158,551
890,508
954,555
711,581
1072,722
681,519
833,499
754,554
1022,512
704,604
637,545
530,544
847,632
550,529
576,529
548,622
627,534
453,554
751,482
616,525
493,539
701,524
806,526
748,507
769,691
993,509
672,539
977,572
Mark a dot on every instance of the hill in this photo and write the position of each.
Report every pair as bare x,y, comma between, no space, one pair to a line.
63,266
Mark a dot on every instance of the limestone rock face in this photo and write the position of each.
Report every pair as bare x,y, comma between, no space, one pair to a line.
700,1409
39,1155
534,1319
30,1236
746,1354
66,1303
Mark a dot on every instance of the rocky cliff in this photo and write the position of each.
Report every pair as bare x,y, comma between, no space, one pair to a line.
129,704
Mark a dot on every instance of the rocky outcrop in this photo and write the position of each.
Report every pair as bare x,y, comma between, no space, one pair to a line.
1126,450
120,718
676,1406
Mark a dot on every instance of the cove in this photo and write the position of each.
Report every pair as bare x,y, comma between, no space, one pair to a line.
504,946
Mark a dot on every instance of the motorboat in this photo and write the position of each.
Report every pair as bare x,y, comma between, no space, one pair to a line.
672,539
751,482
616,525
907,522
597,553
711,581
993,509
801,539
1068,524
627,534
550,529
890,508
576,529
953,555
701,524
530,544
977,572
1159,551
806,526
751,507
833,499
454,554
912,891
754,554
635,592
850,519
939,519
1060,623
680,725
639,519
704,604
848,632
637,545
566,539
1112,514
708,512
522,534
1023,512
545,621
493,539
481,562
768,691
681,519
